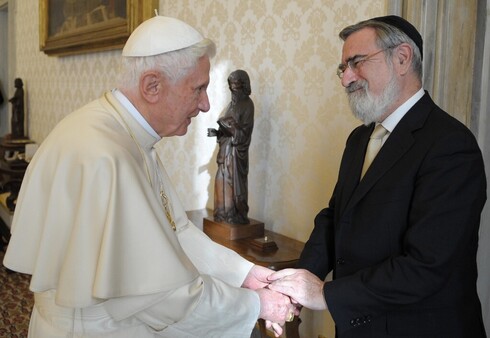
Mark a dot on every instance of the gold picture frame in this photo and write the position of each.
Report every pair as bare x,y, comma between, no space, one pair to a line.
80,26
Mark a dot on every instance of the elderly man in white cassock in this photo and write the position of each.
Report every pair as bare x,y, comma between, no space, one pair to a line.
100,228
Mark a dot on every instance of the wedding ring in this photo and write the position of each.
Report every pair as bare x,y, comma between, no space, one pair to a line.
290,317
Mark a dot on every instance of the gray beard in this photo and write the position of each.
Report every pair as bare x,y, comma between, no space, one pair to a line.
369,108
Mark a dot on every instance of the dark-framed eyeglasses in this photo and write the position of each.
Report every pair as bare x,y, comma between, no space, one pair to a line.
356,62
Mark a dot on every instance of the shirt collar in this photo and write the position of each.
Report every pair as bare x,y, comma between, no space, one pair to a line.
392,120
124,101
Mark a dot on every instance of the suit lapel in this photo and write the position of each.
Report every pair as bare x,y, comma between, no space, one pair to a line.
354,159
395,147
397,144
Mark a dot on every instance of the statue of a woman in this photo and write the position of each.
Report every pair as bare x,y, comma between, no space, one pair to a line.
234,136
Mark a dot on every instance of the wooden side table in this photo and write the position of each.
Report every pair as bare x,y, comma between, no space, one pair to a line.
11,175
15,167
286,256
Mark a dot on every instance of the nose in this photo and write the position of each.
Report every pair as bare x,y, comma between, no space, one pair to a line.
348,77
204,105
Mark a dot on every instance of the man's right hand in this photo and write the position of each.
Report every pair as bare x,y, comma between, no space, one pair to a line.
302,286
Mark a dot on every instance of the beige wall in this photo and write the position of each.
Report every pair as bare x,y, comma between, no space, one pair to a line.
290,50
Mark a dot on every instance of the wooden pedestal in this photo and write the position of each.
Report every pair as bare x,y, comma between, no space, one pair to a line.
232,231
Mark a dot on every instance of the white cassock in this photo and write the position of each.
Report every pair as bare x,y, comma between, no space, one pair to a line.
90,228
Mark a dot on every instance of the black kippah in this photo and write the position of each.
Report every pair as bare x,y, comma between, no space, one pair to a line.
405,26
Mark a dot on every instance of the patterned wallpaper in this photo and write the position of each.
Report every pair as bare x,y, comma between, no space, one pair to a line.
290,50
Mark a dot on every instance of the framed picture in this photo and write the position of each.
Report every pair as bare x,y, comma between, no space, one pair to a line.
80,26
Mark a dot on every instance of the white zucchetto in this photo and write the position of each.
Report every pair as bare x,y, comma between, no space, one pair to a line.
158,35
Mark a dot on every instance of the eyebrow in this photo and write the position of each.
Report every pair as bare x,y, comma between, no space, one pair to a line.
355,57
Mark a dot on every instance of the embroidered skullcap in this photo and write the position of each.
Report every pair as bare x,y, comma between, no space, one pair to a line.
158,35
405,26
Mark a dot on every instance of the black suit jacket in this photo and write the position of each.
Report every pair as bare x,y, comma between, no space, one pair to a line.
402,241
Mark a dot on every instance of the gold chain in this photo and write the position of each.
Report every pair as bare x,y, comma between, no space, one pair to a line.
167,209
163,196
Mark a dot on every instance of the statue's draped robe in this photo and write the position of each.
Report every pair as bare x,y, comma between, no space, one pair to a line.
231,184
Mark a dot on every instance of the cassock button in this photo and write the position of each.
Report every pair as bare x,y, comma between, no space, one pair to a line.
340,261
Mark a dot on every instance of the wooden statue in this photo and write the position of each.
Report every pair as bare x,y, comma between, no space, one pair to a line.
233,136
17,121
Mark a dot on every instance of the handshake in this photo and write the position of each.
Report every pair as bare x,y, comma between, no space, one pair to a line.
283,293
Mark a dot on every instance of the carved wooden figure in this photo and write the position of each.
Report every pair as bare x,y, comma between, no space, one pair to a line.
233,136
18,114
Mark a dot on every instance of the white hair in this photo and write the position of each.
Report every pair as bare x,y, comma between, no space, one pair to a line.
173,65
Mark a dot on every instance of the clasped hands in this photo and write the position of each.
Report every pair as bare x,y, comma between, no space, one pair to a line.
283,293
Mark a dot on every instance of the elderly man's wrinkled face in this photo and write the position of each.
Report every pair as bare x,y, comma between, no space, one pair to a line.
372,86
182,101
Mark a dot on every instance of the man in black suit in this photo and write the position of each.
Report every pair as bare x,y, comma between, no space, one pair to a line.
400,236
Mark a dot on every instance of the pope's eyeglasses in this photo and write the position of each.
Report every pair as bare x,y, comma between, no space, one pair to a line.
356,62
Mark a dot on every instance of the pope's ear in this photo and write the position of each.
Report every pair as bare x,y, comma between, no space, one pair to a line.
150,86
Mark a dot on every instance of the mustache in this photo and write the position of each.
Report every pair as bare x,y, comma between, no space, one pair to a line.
355,86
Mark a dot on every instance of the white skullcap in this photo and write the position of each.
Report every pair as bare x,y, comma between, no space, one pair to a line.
160,34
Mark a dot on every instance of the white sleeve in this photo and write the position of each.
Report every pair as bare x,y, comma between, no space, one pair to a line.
212,258
206,308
